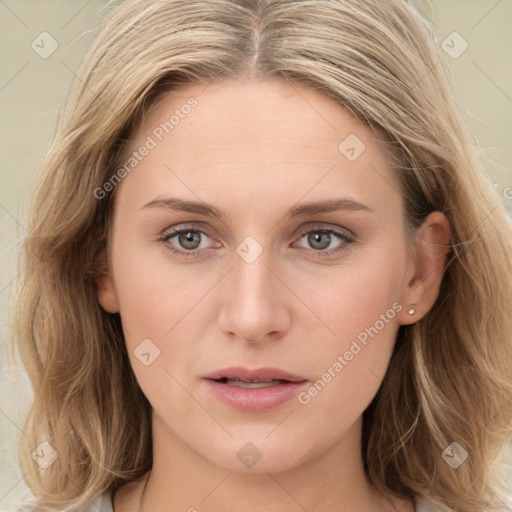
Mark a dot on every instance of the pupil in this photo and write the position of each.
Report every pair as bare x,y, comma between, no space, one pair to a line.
188,239
315,238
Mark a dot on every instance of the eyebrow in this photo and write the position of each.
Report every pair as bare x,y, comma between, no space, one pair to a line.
301,210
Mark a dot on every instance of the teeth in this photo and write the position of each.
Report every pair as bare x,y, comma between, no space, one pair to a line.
252,380
241,383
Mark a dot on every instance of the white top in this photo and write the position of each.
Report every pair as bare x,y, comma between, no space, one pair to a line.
103,503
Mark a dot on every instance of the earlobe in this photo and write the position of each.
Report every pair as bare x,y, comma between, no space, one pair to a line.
431,249
105,287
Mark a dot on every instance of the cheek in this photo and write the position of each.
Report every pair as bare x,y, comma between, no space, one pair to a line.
153,292
156,304
353,297
359,306
162,300
163,306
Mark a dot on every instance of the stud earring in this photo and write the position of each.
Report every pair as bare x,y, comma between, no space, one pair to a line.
411,311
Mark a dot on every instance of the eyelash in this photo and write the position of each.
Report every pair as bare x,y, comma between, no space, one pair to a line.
167,235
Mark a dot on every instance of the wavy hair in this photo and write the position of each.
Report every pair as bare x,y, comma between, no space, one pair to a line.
450,375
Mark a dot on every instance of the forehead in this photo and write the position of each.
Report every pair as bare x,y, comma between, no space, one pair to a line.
271,113
253,138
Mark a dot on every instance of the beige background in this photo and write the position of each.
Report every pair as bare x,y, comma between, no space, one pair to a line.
32,89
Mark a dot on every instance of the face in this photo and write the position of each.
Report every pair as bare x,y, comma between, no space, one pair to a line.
261,227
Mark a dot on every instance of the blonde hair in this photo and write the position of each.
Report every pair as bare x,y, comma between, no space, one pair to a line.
450,377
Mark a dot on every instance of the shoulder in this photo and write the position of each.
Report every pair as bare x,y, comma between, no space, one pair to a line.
101,503
426,505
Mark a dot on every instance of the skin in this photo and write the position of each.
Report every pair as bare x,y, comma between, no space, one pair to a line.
253,150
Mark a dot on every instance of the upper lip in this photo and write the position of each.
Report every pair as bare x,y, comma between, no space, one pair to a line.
237,372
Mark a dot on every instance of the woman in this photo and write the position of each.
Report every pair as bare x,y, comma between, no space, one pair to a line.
264,271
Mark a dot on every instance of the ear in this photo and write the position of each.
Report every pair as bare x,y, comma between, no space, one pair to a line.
426,268
105,286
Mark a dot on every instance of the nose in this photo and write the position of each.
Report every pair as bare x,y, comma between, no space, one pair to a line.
254,301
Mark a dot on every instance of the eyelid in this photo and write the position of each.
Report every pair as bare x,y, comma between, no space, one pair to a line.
321,226
345,235
176,230
310,227
346,241
183,227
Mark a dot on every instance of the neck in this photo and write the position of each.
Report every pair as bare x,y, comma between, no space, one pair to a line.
181,479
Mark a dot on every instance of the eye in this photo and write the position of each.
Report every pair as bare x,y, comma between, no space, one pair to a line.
187,243
322,239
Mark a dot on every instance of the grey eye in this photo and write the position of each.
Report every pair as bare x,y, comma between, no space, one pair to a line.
189,240
319,240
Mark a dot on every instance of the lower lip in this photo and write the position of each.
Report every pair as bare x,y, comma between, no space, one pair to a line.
255,399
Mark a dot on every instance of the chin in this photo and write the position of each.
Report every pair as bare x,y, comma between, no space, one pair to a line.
259,454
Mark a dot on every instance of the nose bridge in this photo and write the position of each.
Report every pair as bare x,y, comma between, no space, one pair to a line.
251,273
253,306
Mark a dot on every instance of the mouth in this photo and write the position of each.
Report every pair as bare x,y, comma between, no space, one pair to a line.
254,390
251,384
238,373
